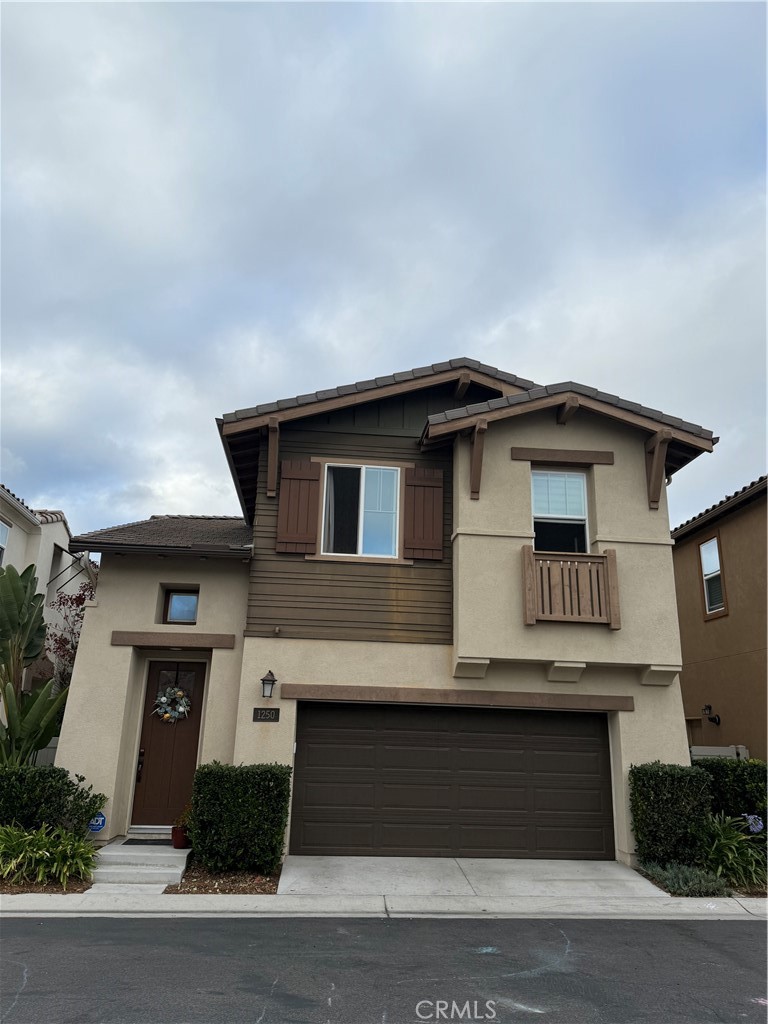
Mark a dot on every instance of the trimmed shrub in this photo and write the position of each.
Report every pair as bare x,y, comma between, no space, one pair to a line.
669,804
737,787
732,852
239,814
35,795
684,880
44,854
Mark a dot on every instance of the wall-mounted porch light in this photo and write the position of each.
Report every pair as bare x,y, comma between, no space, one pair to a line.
267,684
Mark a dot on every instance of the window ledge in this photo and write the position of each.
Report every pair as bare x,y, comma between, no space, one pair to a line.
363,559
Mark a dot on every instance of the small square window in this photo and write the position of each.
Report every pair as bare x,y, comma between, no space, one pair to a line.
181,606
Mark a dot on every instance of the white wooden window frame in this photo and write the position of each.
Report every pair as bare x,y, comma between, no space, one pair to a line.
559,518
361,510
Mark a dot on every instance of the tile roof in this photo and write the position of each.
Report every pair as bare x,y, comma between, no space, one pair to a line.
537,392
462,363
719,508
182,533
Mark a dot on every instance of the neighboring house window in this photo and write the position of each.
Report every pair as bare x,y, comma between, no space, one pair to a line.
360,511
714,594
559,511
4,531
181,607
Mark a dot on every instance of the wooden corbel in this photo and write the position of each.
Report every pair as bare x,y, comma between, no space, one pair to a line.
476,443
567,409
655,459
462,384
273,452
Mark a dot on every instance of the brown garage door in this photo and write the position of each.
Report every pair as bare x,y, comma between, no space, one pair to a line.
404,780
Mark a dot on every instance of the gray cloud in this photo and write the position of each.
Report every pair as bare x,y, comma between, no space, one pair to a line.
208,206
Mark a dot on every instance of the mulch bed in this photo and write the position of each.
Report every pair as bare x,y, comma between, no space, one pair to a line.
74,885
198,881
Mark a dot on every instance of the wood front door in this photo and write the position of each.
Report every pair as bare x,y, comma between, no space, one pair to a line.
168,750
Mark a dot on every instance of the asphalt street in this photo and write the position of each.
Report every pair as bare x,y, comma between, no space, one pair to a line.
379,971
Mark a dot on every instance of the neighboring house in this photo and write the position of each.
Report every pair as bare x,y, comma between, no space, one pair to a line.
720,575
463,584
41,537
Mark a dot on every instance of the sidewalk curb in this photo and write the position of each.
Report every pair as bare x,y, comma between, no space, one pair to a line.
662,907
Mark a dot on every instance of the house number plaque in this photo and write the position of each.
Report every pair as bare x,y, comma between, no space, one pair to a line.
266,714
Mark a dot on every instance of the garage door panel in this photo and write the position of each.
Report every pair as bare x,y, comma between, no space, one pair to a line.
339,795
553,841
407,757
499,798
568,762
491,759
400,838
496,841
583,801
420,780
331,755
395,796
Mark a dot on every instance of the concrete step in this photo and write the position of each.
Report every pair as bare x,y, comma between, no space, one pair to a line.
150,856
149,832
122,874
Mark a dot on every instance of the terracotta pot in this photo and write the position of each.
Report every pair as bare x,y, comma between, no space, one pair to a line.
179,837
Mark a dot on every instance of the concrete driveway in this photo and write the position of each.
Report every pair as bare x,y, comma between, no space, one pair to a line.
449,876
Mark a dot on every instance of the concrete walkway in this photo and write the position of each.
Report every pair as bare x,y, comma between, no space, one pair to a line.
409,887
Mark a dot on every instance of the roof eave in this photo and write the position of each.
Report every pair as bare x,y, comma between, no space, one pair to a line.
80,544
723,508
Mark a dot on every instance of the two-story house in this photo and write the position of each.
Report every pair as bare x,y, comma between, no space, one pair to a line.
720,570
462,583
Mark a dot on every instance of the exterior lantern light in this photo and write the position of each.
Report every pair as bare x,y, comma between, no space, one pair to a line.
267,684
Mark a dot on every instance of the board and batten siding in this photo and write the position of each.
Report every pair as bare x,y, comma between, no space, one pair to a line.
349,600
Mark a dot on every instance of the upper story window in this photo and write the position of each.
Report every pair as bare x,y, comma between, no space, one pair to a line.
180,606
4,531
712,577
360,511
559,511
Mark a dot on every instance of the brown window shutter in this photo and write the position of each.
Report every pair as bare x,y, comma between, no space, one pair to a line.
298,507
423,527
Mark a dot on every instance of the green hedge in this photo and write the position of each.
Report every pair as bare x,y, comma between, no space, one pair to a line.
239,814
669,804
35,795
737,787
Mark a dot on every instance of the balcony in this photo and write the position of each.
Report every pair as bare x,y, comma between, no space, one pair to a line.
570,588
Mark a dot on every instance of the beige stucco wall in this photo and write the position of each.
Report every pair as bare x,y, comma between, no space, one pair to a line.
489,535
102,723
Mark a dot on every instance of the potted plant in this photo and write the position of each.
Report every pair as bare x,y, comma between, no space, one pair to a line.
179,830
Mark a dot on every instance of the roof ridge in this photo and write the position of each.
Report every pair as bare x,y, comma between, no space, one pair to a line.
729,497
461,362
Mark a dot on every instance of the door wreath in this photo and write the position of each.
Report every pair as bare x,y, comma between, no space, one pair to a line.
171,704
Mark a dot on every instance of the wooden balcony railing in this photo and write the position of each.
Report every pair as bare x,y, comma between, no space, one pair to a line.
570,588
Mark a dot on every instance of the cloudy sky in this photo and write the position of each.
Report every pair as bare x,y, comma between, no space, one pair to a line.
207,206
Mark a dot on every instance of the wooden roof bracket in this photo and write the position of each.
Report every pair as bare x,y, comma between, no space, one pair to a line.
655,459
476,443
462,384
567,409
273,455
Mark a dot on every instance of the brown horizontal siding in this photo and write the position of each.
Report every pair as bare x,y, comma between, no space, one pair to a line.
341,600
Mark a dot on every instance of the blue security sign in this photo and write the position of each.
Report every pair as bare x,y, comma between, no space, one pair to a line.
97,823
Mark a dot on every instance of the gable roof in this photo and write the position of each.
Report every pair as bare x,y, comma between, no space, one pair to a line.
727,504
683,441
449,369
218,536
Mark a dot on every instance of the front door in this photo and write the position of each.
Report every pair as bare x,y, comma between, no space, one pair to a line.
168,747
